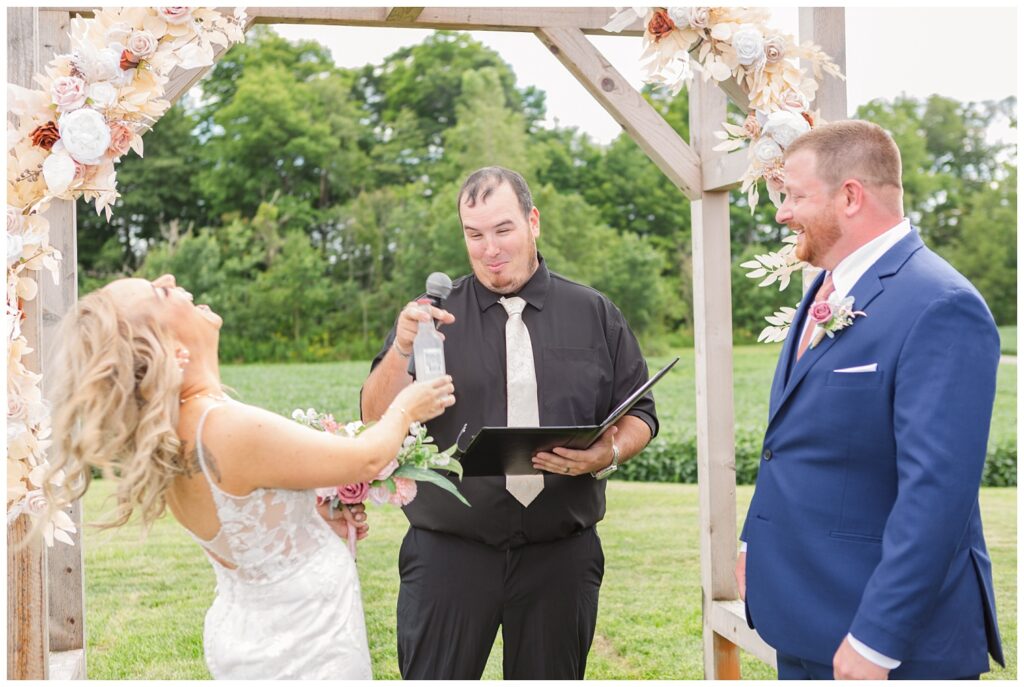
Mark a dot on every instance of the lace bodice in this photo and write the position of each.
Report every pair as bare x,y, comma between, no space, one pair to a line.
264,536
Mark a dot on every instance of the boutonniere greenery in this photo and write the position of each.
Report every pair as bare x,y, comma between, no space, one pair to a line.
831,316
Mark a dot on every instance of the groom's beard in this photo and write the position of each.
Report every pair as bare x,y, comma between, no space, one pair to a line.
817,238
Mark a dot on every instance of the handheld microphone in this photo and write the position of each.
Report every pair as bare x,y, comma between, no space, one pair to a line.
439,286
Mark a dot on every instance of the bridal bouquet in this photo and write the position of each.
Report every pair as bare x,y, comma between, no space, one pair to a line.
419,460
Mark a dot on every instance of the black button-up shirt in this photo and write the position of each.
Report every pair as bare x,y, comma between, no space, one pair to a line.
587,362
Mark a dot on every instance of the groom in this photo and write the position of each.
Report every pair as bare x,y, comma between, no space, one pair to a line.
864,552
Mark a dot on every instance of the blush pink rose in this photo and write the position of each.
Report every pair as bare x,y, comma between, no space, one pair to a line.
821,312
120,139
68,93
352,494
142,44
175,15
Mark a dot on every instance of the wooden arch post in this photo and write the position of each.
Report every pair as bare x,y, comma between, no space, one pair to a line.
46,604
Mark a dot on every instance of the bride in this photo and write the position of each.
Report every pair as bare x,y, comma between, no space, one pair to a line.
142,400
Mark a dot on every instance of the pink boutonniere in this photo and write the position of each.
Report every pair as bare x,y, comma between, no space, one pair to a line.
830,317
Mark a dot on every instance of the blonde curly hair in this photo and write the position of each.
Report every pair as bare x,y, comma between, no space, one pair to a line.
118,389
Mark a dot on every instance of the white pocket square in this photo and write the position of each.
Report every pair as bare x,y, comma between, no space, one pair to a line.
873,367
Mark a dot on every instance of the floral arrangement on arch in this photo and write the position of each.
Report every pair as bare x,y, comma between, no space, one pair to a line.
737,43
92,106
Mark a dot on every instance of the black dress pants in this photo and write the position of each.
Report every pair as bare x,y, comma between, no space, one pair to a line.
455,593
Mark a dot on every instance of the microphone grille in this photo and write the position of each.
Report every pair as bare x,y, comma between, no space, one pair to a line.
439,284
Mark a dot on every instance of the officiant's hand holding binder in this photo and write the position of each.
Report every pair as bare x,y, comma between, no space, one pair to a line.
509,450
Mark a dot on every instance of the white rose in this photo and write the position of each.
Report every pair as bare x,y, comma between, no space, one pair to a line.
142,44
68,93
795,100
103,94
767,150
784,126
15,428
749,45
35,503
59,171
15,220
36,411
99,65
15,245
117,34
85,135
680,16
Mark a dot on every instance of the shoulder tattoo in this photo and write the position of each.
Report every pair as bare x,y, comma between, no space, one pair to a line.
194,467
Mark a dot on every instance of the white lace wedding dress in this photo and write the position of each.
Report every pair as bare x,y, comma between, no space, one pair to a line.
289,605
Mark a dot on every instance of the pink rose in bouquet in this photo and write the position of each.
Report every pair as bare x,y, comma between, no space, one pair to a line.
345,495
417,460
351,494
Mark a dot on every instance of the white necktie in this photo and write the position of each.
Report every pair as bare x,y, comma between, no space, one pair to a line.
521,388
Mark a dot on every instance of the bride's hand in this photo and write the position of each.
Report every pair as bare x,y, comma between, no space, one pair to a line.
424,401
338,520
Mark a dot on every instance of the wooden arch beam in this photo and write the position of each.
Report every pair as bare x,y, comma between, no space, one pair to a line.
402,14
629,108
587,19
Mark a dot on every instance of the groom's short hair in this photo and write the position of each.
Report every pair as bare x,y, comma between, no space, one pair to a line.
852,148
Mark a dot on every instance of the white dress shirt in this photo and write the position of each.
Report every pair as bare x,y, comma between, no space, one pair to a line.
845,275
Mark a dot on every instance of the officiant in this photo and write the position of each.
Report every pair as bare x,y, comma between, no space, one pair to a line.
525,347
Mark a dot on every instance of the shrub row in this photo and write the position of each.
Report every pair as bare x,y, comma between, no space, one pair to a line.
674,459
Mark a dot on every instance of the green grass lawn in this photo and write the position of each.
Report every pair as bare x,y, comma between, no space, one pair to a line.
335,387
1008,340
145,600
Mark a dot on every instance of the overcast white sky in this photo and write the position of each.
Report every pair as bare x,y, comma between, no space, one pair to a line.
966,53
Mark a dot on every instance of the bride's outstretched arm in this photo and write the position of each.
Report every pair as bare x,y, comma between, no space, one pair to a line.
257,448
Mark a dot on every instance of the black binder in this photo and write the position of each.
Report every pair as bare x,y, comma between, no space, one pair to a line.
509,450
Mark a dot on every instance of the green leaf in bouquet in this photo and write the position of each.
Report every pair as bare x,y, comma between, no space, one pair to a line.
423,475
451,464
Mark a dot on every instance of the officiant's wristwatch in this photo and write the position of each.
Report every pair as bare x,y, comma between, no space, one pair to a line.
604,472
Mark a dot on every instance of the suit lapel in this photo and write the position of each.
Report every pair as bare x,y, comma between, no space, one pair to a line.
787,355
867,288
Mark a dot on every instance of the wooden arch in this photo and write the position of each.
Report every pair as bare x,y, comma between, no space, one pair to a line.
45,588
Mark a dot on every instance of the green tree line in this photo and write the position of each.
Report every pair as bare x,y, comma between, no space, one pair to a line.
307,202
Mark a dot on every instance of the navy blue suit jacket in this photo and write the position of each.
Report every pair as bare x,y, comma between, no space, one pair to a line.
865,515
